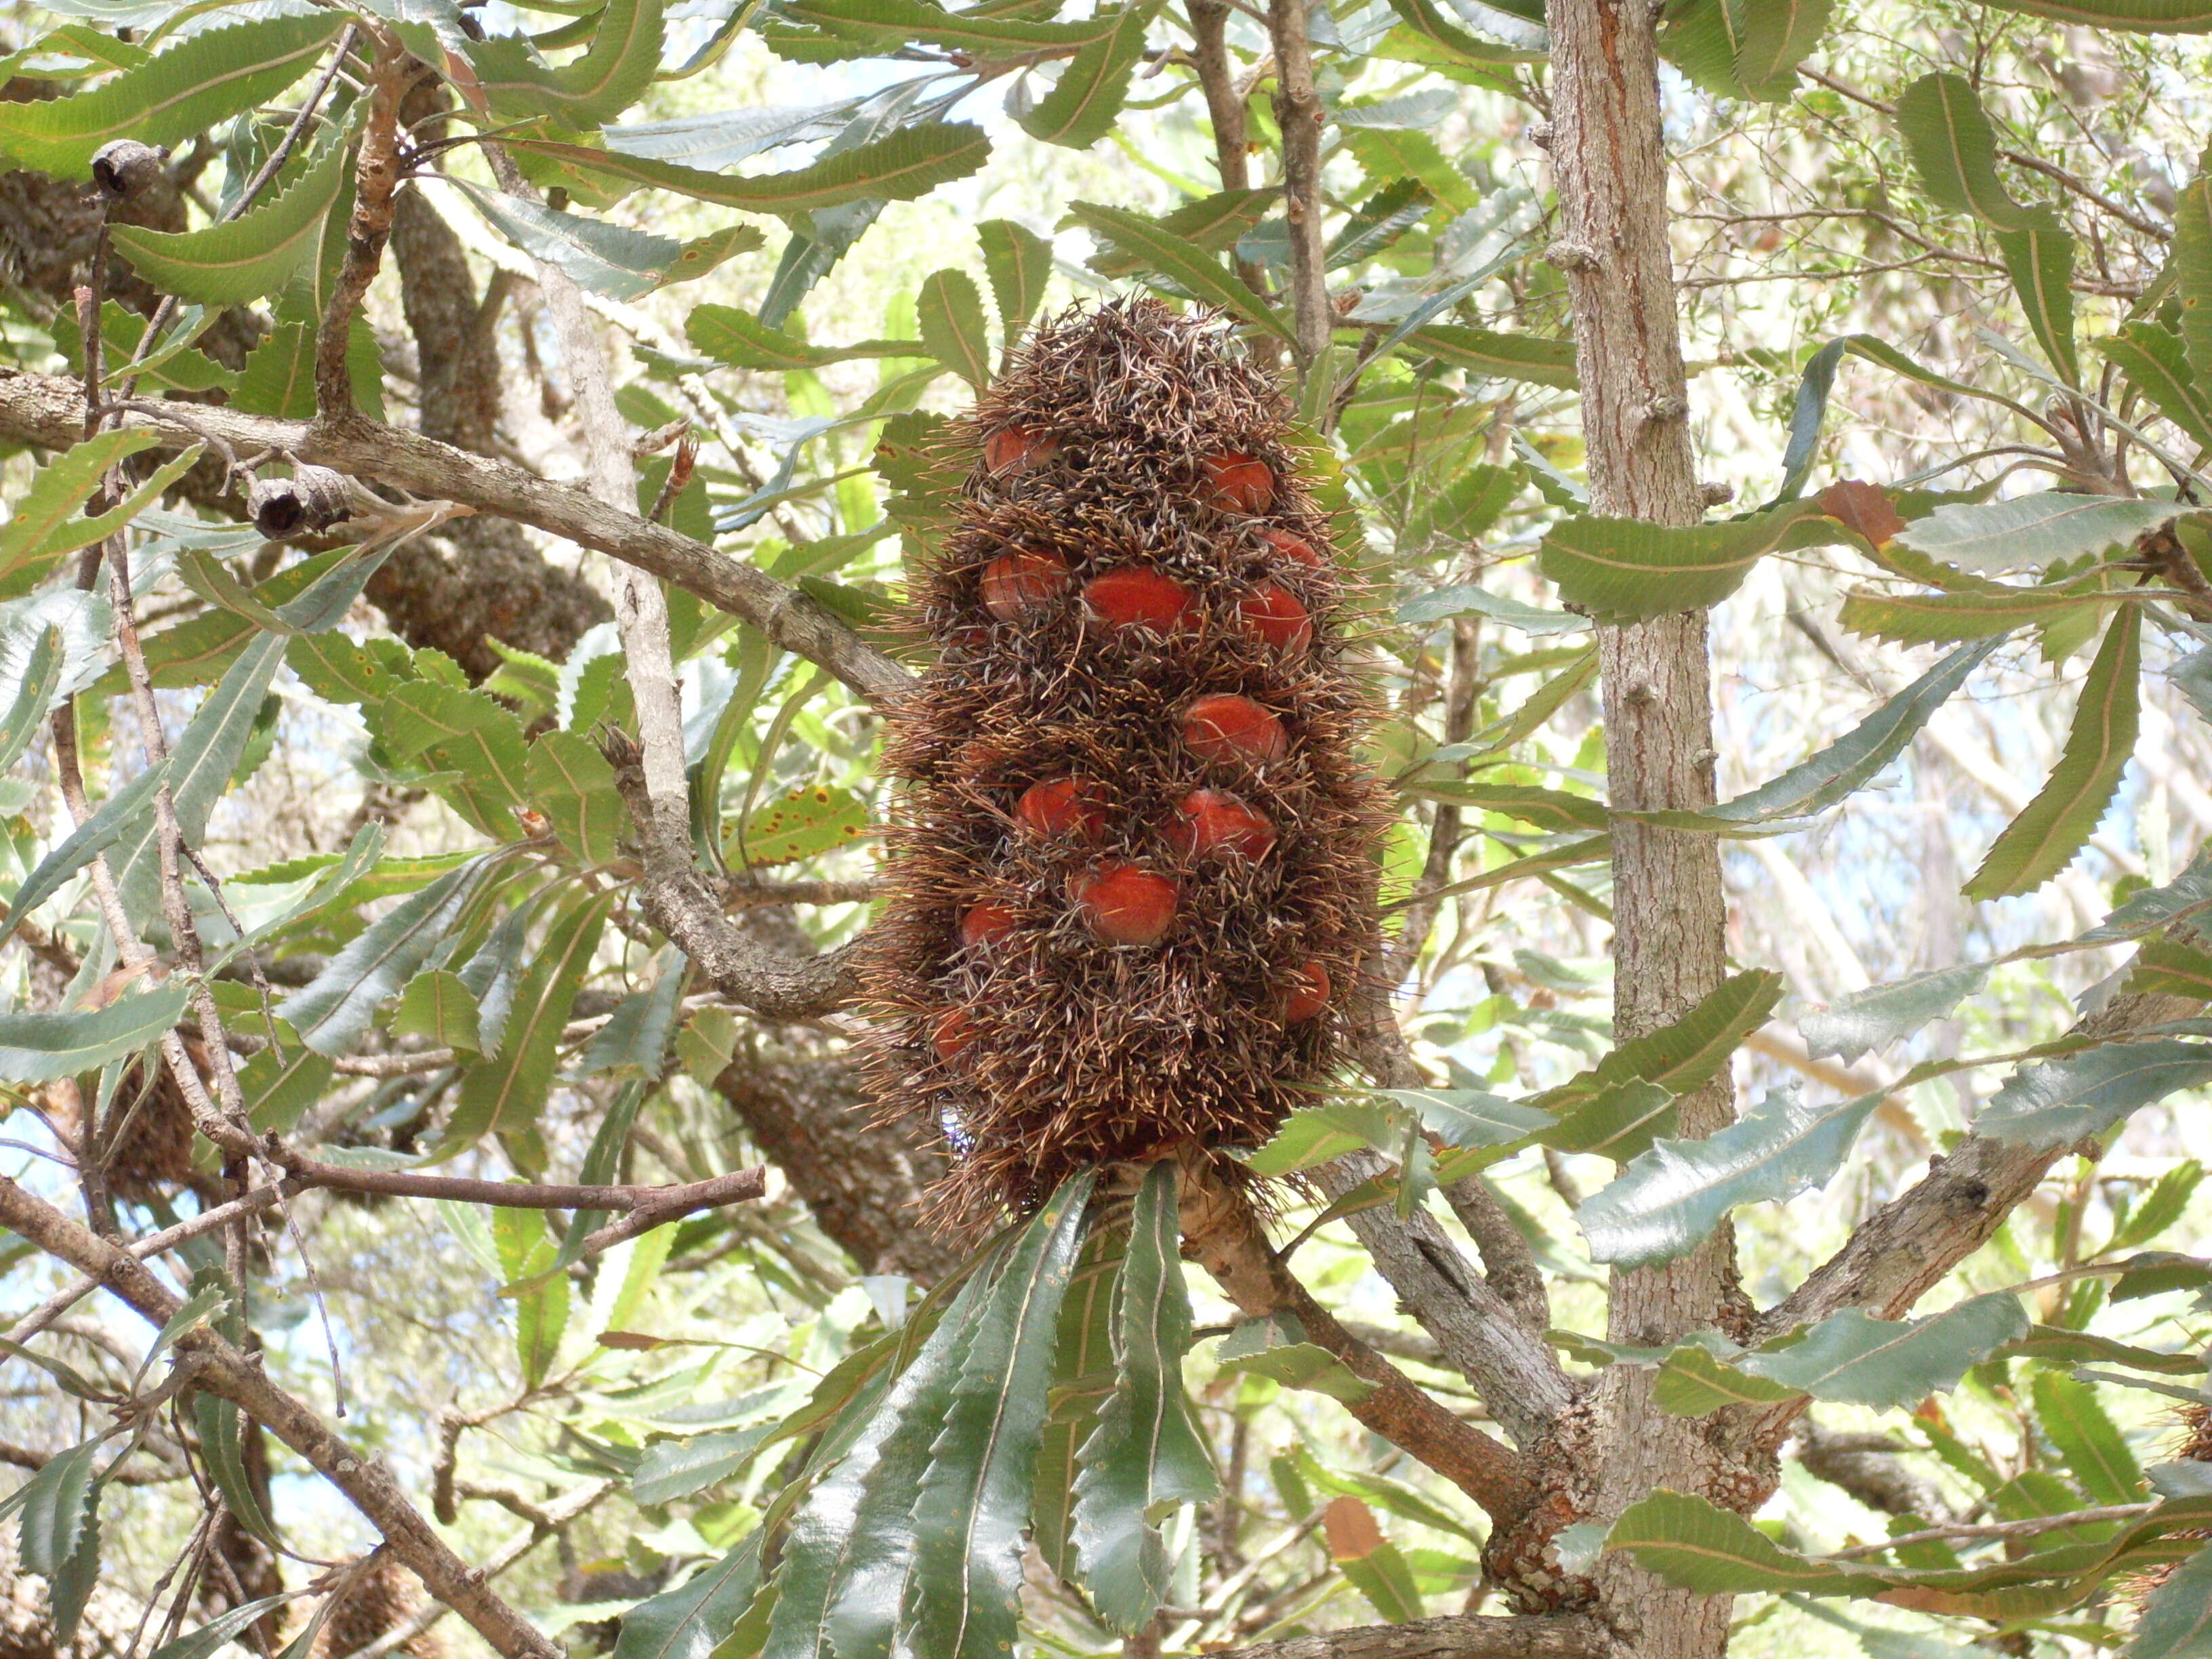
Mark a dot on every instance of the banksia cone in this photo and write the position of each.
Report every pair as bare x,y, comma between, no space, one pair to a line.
1134,878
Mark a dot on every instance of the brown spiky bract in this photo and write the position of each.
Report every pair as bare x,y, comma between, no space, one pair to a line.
1047,1048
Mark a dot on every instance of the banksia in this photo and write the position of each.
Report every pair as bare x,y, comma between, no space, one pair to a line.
1133,880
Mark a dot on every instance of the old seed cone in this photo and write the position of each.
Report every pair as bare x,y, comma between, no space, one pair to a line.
1030,1012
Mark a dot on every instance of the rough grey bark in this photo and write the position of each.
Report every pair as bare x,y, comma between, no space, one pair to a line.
1610,166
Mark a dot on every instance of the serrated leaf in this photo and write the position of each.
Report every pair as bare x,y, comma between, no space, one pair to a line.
2095,1451
255,254
962,1597
2192,271
571,783
1618,1122
1856,1359
742,341
43,522
608,258
1470,601
506,1093
2055,1346
116,815
1883,1014
2083,1096
201,765
950,315
333,1009
2168,968
1683,1056
1548,809
688,1621
1700,1546
1672,1195
1527,358
2031,531
1942,618
34,678
806,823
1853,760
1953,150
469,736
439,1008
1018,263
909,163
1774,37
1161,252
606,80
1692,1381
2176,1622
1276,1348
1423,20
2053,828
41,1047
982,29
1467,1117
1082,105
2156,363
1314,1134
2039,259
1144,1450
201,80
222,1445
211,1637
54,1504
1378,222
1212,224
1624,570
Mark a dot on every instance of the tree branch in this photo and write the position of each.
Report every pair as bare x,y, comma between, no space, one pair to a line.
376,176
1911,1244
1223,1233
1456,1636
1299,114
49,411
240,1379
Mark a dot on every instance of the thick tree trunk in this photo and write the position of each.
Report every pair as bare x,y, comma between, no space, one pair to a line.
1610,163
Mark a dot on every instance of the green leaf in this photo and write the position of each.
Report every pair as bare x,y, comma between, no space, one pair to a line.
506,1093
541,1313
203,79
605,257
2031,531
606,80
2176,1622
1082,105
438,1006
1700,1546
1378,222
212,1636
982,29
1548,809
1465,601
2039,259
1385,154
336,1007
1161,252
117,815
1854,760
1624,570
469,735
2086,1095
1467,1117
1084,1378
1671,1196
1145,1452
951,314
1883,1014
808,822
1953,150
1211,224
1619,1121
43,522
688,1621
964,1596
2094,1449
1685,1055
201,765
634,1043
36,678
2053,828
1018,263
55,1503
2192,270
1856,1359
2062,1347
222,1446
1370,1562
1276,1348
909,163
1693,1380
1314,1134
850,1550
2167,968
741,340
1527,358
571,783
1774,37
2155,361
1425,22
1939,619
254,254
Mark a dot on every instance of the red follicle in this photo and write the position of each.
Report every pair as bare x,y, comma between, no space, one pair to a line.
1213,820
1124,903
1224,730
1016,449
1238,484
1022,582
1273,615
1308,996
987,926
1137,598
1060,808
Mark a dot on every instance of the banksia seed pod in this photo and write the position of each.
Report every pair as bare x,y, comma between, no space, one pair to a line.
1133,880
